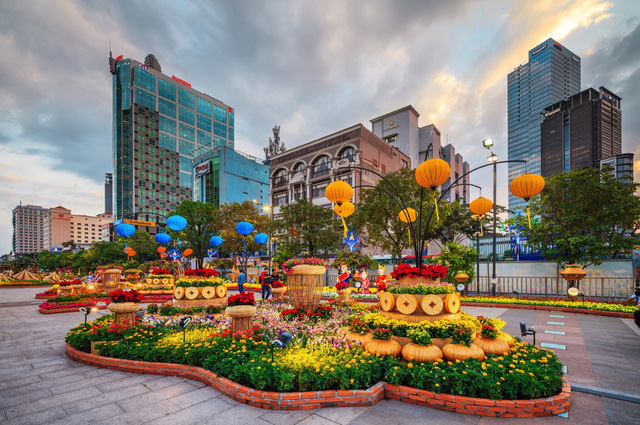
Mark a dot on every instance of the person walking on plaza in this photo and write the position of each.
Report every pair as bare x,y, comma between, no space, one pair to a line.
275,276
265,281
241,281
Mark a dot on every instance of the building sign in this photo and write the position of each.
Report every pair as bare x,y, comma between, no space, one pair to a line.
140,222
105,226
390,128
557,46
575,58
116,222
554,111
202,168
181,81
143,67
539,49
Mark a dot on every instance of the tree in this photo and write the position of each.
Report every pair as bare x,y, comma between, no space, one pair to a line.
202,223
307,228
585,216
458,258
234,242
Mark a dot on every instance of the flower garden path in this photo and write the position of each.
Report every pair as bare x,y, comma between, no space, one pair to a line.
39,384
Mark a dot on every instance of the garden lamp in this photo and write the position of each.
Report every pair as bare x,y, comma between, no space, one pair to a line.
524,331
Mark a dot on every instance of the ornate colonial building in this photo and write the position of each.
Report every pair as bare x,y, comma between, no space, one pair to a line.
306,170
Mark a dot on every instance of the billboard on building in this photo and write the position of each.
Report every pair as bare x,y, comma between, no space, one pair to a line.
202,168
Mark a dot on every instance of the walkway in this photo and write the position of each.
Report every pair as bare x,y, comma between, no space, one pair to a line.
39,384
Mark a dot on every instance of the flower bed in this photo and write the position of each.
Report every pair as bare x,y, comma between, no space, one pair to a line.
199,282
47,308
422,288
24,283
570,306
318,359
426,272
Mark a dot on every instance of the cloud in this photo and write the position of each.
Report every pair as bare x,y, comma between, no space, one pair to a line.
312,67
10,177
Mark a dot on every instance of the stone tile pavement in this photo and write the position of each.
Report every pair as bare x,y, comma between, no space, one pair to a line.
40,385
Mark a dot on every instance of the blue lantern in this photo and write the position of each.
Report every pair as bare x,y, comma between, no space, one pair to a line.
176,223
216,241
261,238
125,229
174,253
244,228
162,238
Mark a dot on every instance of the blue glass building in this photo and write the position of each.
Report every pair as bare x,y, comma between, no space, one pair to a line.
224,176
160,124
551,75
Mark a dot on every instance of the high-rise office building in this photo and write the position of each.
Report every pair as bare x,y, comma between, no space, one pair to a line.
224,176
160,124
28,229
108,192
400,129
551,75
581,131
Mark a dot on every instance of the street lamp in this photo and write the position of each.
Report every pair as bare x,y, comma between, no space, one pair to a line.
267,208
493,158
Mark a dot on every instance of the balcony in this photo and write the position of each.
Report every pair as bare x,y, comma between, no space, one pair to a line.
320,170
280,182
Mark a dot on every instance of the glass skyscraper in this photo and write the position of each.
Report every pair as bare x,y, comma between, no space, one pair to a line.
551,75
160,124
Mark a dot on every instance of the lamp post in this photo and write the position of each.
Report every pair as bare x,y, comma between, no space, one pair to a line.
268,209
493,158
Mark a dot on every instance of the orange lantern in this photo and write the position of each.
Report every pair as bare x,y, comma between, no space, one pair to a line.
162,250
480,207
131,252
339,192
526,187
408,215
188,252
432,173
128,251
344,210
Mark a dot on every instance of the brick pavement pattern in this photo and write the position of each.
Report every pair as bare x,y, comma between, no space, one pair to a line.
40,385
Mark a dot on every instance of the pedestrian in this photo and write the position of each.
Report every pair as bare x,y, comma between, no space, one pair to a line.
635,297
265,282
241,281
275,276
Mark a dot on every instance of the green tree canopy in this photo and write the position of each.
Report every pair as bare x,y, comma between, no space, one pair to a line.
202,223
305,228
585,216
234,241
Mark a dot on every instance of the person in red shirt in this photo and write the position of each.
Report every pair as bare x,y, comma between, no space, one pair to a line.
265,281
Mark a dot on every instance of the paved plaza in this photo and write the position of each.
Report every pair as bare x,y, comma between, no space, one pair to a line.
40,385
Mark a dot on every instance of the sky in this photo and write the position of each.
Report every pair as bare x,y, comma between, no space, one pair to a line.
312,67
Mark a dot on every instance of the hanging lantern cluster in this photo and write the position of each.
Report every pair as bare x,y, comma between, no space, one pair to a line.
433,173
244,228
526,187
480,207
344,211
341,193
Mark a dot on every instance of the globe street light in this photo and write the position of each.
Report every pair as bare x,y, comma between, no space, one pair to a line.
493,158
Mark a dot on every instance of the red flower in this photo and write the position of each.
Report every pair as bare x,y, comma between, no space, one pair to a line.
121,296
426,271
243,298
342,285
160,271
201,272
382,286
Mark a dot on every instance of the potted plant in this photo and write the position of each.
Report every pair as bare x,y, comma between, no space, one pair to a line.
278,289
573,273
241,310
407,275
343,291
461,347
420,349
304,281
124,304
359,332
382,344
489,341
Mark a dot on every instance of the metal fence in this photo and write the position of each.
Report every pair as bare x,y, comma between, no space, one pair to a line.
601,288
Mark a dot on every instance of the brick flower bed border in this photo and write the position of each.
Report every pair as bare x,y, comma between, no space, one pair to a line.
338,398
22,285
66,310
551,308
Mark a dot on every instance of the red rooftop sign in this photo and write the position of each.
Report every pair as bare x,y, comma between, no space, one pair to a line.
182,81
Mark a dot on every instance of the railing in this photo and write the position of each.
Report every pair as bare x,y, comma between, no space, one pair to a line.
280,181
320,170
601,288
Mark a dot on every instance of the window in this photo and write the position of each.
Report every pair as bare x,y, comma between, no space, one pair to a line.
185,164
185,181
186,116
404,163
220,129
231,119
299,168
186,99
318,190
391,139
186,132
166,107
167,125
219,114
231,134
167,89
186,148
204,107
280,178
280,199
145,80
145,99
349,154
321,166
204,123
204,138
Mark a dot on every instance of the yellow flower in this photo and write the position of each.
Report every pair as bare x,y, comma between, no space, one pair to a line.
410,365
484,373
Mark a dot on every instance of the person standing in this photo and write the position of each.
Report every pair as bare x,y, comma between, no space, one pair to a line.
275,276
265,282
241,281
